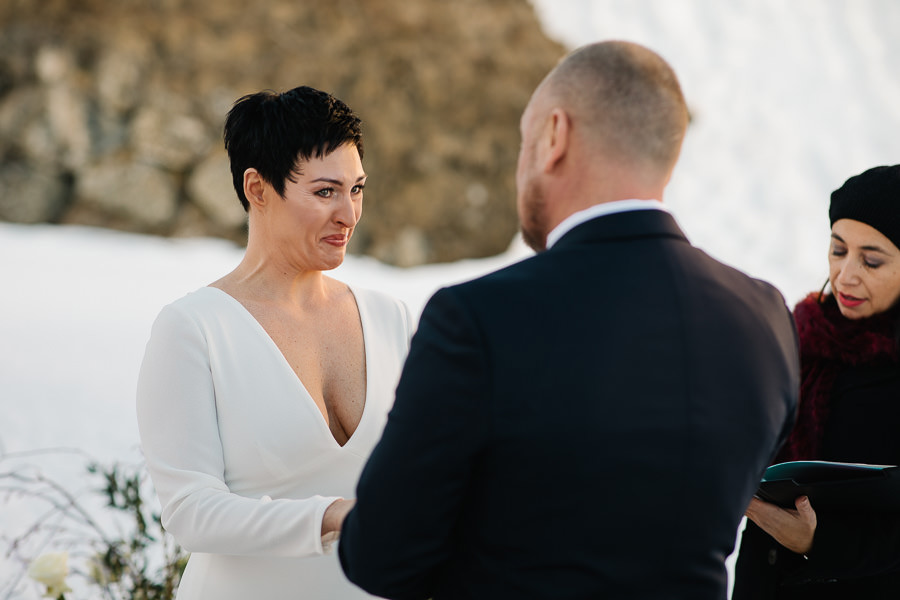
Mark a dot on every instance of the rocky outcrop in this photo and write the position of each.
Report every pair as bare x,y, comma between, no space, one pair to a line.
111,111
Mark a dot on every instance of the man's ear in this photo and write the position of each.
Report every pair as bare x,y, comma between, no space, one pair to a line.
559,131
254,188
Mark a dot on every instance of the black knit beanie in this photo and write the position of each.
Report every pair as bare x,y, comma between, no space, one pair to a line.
873,198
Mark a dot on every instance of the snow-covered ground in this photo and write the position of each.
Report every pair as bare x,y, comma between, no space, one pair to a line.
76,312
788,100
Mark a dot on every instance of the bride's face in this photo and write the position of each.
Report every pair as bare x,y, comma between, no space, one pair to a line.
314,221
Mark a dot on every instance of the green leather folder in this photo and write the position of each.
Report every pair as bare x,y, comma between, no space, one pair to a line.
833,485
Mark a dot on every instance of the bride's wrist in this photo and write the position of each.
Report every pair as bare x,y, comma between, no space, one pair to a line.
333,519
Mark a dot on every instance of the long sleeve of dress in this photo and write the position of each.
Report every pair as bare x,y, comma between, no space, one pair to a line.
178,421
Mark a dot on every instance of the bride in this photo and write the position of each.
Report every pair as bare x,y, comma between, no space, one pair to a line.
261,395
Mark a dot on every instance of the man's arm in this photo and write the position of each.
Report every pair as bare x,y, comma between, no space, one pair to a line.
410,494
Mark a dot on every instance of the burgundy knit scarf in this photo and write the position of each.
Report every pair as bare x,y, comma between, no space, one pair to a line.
829,342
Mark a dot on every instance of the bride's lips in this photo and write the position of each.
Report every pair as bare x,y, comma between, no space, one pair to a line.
849,301
336,240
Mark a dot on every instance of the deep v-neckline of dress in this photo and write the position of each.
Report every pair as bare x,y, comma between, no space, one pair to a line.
322,424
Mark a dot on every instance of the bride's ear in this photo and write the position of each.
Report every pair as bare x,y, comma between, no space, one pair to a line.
254,188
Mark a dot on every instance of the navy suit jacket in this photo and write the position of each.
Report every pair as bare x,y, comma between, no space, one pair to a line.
588,423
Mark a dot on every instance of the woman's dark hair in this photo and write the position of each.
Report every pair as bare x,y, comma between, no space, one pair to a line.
273,132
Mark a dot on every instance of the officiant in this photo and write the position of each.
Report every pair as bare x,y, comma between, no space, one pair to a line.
849,412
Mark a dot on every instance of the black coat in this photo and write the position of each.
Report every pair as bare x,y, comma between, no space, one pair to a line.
854,555
554,416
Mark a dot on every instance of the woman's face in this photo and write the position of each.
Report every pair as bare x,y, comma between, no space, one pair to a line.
864,269
313,223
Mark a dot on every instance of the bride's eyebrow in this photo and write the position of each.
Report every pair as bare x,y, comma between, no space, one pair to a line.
336,181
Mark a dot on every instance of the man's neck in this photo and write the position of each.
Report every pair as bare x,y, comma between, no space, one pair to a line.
598,210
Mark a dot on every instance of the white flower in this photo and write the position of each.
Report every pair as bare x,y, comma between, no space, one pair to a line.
51,570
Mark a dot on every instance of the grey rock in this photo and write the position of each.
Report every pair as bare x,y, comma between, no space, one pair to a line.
174,141
127,99
139,193
30,196
210,188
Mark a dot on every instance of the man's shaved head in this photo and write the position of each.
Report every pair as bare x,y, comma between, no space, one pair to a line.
624,99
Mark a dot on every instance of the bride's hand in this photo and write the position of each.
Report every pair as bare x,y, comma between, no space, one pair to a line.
793,529
333,519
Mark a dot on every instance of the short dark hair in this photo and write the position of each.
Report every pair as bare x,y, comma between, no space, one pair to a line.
273,132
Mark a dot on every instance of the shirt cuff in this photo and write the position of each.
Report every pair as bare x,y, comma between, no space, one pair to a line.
325,542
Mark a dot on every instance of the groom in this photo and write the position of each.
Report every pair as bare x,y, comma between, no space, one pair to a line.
593,421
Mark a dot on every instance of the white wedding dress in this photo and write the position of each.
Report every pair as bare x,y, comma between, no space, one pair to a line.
242,460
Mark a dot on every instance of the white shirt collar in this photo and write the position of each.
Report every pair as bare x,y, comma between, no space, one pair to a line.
599,210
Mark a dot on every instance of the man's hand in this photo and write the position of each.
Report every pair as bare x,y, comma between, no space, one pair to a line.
793,529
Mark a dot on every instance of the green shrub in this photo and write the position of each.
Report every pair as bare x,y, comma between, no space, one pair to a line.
111,533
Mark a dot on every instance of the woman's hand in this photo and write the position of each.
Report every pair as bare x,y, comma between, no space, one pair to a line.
793,529
333,519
